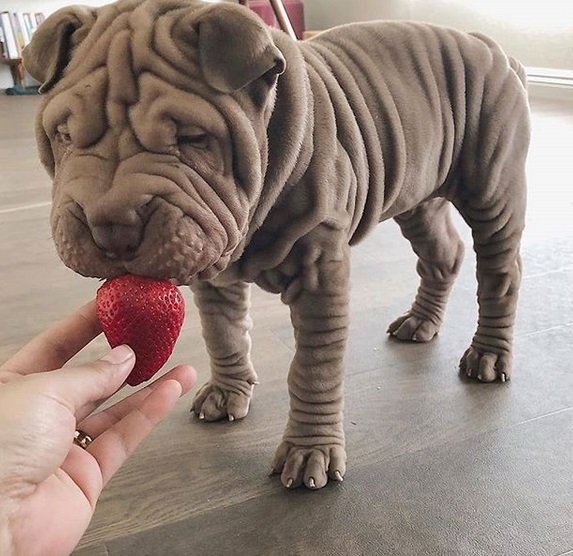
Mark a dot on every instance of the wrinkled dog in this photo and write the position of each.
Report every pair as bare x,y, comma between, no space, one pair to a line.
188,141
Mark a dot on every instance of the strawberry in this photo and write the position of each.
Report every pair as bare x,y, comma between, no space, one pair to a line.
144,313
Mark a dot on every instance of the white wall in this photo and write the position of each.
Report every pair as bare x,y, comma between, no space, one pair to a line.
323,14
537,32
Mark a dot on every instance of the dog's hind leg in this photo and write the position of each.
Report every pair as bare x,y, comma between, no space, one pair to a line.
440,251
492,199
497,224
226,328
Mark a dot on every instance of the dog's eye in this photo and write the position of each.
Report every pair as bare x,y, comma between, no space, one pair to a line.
196,140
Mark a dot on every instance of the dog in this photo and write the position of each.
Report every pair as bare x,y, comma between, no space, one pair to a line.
188,141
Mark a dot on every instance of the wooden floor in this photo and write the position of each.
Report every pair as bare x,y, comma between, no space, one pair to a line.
437,465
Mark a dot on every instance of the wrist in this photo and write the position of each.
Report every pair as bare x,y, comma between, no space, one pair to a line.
6,544
7,513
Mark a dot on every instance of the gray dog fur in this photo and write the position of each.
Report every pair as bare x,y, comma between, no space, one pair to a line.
188,141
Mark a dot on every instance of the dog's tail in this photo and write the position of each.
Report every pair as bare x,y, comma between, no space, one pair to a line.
518,68
514,64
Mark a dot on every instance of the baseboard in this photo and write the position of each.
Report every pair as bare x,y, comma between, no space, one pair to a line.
550,92
550,83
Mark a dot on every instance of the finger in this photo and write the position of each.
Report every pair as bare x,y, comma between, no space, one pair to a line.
57,345
94,425
76,387
184,374
84,470
115,445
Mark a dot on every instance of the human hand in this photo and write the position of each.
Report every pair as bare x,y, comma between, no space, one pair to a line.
49,485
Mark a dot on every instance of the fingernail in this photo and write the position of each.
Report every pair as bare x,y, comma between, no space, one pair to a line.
119,354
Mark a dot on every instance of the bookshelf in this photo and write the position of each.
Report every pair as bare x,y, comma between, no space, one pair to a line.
16,30
45,7
16,69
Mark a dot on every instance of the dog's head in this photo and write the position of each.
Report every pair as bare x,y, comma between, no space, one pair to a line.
154,132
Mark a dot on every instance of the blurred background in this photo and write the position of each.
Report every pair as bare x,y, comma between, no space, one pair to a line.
539,34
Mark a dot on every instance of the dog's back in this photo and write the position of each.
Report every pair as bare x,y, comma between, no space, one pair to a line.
416,93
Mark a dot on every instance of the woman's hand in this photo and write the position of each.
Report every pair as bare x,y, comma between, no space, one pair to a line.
49,485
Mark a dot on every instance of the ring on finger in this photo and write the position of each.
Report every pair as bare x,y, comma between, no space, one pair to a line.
82,439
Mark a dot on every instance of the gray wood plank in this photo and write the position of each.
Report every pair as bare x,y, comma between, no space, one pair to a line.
495,495
96,550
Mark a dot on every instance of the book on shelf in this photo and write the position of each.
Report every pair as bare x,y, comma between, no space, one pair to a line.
16,30
10,45
30,23
21,39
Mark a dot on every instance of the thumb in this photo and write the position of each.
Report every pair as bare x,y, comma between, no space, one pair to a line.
78,386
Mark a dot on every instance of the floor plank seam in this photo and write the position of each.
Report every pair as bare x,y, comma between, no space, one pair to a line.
25,207
549,272
539,417
545,330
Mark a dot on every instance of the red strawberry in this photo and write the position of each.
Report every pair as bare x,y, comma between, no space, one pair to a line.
144,313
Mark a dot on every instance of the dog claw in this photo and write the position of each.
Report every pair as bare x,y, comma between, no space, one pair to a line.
231,417
311,483
503,377
201,416
480,377
289,483
338,476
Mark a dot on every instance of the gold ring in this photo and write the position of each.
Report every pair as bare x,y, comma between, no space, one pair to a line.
82,439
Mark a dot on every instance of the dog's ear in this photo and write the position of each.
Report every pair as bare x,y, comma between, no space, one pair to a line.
235,48
50,49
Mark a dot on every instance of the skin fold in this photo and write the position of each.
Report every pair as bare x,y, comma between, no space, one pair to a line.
188,141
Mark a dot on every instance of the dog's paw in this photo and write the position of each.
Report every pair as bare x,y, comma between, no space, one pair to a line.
213,402
413,329
311,466
486,366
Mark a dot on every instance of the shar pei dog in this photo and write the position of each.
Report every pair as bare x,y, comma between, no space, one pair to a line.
188,141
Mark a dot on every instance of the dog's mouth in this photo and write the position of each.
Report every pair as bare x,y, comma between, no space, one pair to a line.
173,246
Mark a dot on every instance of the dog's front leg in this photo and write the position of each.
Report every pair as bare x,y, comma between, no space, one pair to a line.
226,324
312,449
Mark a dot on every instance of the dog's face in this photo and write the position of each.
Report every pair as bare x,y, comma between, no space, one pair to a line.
154,132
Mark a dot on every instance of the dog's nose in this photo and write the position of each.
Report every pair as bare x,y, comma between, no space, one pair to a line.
118,241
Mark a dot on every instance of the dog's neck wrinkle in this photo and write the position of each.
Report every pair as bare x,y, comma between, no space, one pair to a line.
290,134
287,139
289,149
